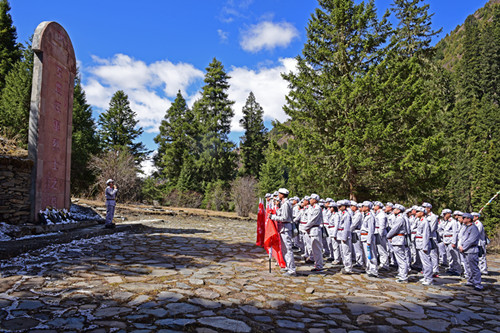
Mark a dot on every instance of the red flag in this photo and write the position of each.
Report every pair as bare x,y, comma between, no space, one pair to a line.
261,225
272,240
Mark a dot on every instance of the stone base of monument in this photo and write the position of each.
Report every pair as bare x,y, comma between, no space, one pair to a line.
85,230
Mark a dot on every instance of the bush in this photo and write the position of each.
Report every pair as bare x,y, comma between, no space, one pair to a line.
244,195
217,196
119,166
179,198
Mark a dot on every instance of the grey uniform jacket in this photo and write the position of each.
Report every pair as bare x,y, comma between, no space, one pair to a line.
368,228
450,231
482,234
110,196
470,239
344,228
433,224
423,236
315,217
357,219
284,213
398,231
380,223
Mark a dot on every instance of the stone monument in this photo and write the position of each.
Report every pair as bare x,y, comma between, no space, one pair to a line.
51,116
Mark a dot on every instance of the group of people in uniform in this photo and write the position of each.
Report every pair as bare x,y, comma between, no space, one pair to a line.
377,236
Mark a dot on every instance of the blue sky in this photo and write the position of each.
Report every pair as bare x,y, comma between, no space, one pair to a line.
151,49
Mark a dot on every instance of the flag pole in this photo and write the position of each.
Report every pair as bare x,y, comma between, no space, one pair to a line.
496,195
270,256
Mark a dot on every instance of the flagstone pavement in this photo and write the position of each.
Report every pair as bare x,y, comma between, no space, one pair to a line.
206,275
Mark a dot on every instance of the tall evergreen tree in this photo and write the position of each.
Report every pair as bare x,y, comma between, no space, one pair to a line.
254,142
215,156
273,173
118,128
175,139
330,94
85,142
10,50
408,161
16,97
475,117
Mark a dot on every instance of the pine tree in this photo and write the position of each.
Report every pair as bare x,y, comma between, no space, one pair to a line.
215,156
16,98
85,141
175,139
118,128
408,162
330,94
273,174
10,50
254,142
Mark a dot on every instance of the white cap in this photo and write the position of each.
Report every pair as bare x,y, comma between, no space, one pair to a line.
109,181
283,191
315,196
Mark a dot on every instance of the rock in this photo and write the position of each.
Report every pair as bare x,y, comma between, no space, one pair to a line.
197,282
111,323
290,324
364,319
138,300
175,323
29,305
251,309
310,290
206,293
176,308
357,309
168,296
111,311
330,310
205,303
437,325
18,324
395,321
158,312
225,323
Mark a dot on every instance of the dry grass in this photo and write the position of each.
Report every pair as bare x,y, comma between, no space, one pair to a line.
10,146
494,246
139,208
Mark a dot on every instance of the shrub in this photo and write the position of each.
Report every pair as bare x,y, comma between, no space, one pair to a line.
243,192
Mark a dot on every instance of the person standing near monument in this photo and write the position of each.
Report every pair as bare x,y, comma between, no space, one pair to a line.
110,193
469,249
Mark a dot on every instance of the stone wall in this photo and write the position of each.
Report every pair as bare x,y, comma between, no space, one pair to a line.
15,183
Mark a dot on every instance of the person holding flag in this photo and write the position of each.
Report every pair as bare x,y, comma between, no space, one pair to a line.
284,218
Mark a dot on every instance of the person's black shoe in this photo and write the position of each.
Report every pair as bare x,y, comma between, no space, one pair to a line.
109,226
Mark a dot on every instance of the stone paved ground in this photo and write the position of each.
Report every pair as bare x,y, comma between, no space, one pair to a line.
206,275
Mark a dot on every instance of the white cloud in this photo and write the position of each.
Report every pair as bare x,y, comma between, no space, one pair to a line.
147,166
268,35
267,85
151,88
142,83
223,35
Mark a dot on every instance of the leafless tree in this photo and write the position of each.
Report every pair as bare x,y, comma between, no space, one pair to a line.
244,195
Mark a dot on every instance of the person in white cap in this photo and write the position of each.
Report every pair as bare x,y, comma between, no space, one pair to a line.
357,245
483,266
110,194
380,234
397,237
434,251
333,222
389,211
344,236
269,201
367,233
470,250
284,218
450,238
313,228
423,245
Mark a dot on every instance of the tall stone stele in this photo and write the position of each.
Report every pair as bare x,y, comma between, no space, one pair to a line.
51,117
